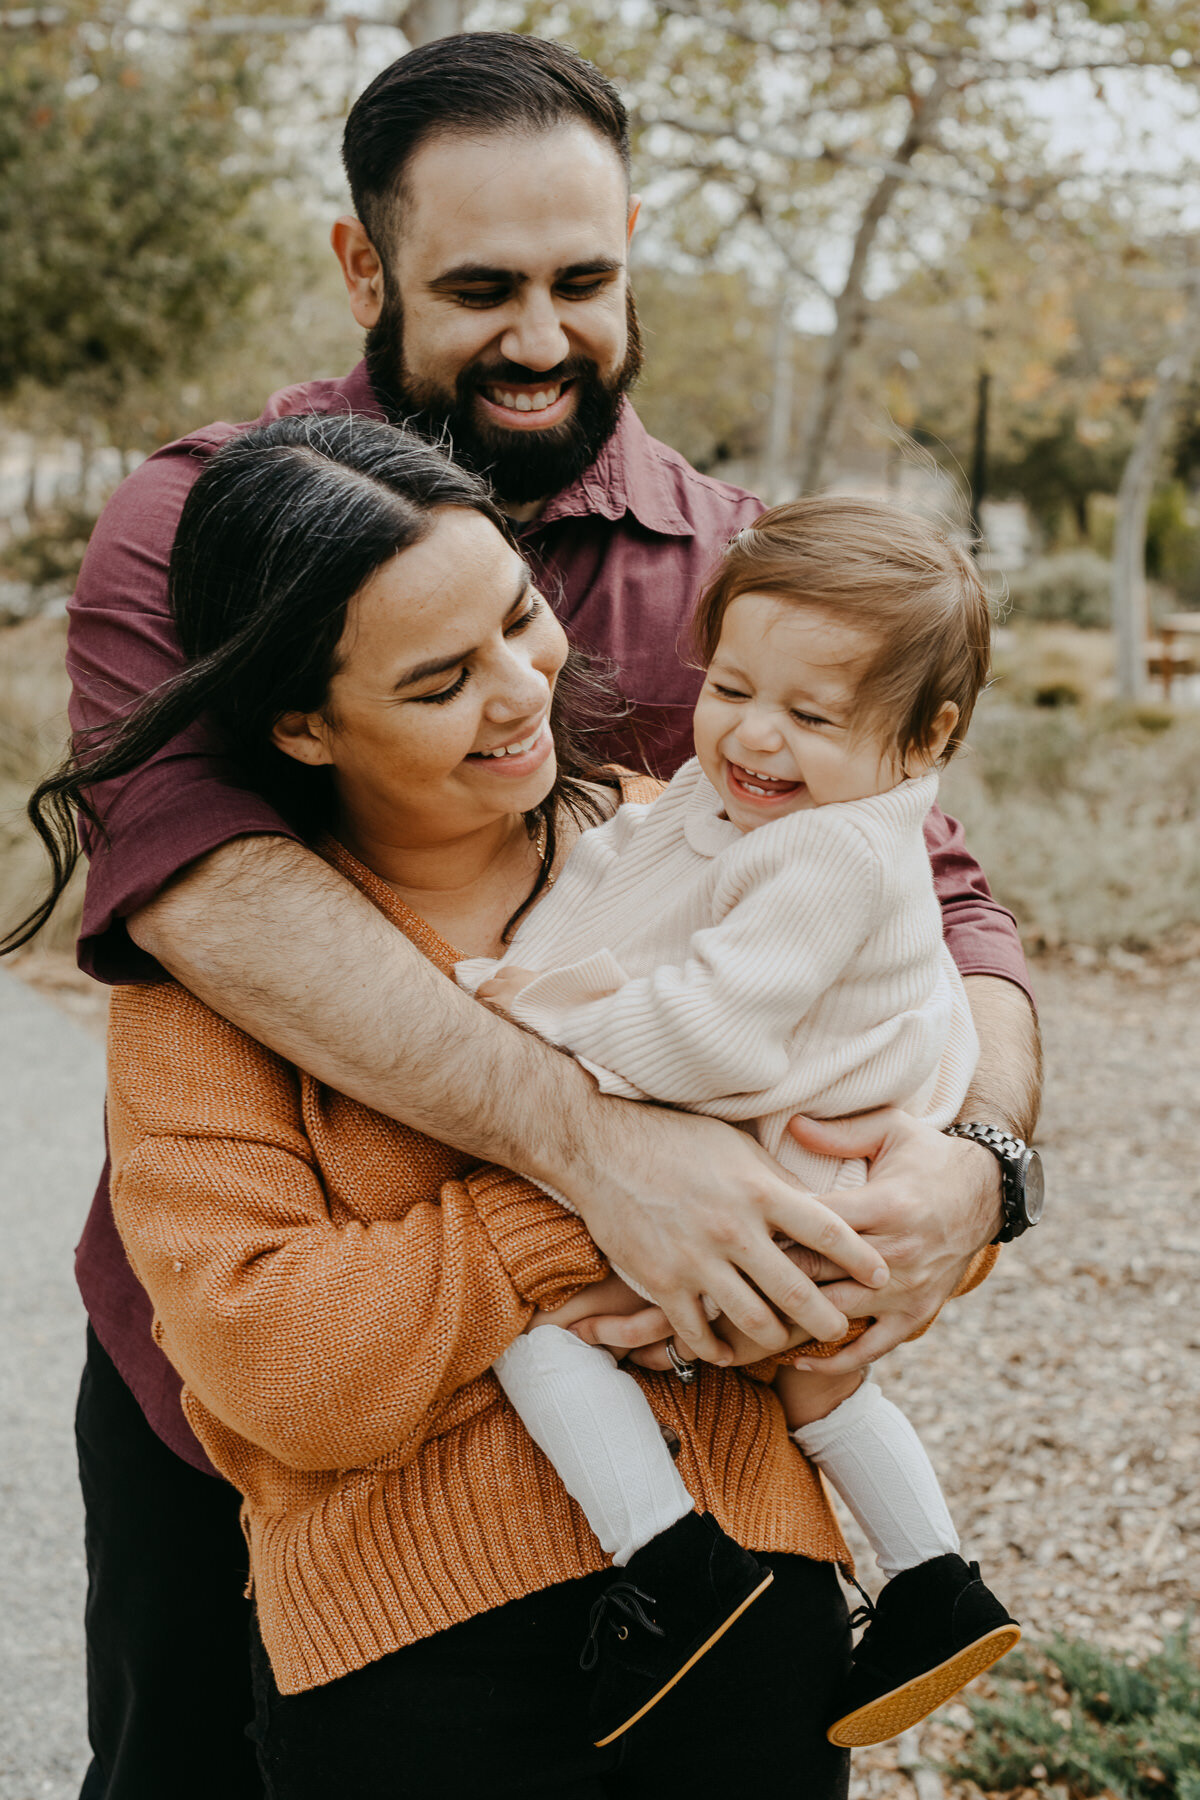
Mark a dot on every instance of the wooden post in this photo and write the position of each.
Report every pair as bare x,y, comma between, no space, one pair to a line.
1129,615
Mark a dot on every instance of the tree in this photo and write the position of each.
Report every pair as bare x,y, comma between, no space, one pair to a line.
847,147
128,233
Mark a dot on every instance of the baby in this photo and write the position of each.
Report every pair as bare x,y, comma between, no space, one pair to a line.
764,940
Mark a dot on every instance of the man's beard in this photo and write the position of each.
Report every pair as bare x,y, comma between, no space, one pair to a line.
521,466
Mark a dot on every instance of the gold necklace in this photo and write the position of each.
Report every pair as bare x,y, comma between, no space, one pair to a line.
540,838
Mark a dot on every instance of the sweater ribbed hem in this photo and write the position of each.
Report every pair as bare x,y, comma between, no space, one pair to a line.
387,1557
547,1252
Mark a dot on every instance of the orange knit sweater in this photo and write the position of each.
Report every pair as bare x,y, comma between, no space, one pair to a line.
334,1287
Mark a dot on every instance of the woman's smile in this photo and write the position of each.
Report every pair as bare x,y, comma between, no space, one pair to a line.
517,757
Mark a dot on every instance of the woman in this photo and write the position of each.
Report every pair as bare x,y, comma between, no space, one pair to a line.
333,1286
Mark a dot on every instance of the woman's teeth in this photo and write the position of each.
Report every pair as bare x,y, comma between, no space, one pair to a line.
524,402
513,749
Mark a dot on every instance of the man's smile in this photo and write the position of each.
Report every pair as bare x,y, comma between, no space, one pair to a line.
527,406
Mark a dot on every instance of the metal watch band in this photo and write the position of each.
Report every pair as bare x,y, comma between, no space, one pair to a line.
1008,1150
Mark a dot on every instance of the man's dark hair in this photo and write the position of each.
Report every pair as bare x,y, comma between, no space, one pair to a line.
479,81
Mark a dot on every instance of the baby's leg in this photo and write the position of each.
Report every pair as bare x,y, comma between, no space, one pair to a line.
594,1424
876,1462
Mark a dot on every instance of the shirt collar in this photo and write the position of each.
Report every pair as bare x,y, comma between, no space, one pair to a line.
630,475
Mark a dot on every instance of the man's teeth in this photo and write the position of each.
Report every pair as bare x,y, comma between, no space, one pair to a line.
525,402
514,749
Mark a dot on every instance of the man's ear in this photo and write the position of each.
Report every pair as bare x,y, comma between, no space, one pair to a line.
362,270
635,207
304,737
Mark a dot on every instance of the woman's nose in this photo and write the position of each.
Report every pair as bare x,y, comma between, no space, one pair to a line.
535,338
524,689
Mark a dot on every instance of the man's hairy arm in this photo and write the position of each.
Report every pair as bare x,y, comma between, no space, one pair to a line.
274,940
932,1202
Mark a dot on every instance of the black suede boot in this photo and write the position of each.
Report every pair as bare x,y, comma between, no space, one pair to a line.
659,1615
933,1629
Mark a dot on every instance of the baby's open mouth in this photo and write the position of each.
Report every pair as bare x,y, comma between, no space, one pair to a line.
764,787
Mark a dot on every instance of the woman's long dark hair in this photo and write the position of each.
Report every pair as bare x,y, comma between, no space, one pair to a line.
282,528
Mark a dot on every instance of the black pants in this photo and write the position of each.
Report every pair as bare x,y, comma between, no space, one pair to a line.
495,1706
169,1690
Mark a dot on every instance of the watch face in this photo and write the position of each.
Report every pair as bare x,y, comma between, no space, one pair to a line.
1035,1186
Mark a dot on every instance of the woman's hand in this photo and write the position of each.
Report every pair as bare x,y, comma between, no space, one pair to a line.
611,1298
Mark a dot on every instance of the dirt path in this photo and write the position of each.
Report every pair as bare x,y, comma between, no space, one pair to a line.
1061,1402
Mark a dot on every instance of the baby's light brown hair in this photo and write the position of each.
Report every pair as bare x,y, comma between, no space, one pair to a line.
883,571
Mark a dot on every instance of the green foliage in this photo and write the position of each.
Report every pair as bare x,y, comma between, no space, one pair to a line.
1173,541
1086,818
1073,586
51,551
708,363
126,234
1081,1718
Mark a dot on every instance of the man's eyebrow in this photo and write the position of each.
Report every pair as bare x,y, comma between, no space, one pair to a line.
464,274
485,275
441,665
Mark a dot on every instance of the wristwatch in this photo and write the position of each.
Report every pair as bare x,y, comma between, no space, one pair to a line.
1022,1180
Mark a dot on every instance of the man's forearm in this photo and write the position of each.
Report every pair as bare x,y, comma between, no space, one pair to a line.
1006,1088
273,939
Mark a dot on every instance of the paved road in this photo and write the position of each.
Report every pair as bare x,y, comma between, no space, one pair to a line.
51,1095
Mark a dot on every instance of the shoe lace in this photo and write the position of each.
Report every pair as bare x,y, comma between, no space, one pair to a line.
862,1615
620,1600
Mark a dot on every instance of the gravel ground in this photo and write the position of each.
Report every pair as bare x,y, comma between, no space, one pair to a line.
1060,1401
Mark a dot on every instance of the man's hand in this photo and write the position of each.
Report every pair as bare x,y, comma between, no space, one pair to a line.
717,1238
929,1204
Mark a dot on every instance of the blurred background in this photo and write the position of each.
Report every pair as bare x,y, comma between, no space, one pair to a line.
943,252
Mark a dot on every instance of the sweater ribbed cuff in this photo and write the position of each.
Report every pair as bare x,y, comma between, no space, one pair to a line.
546,1251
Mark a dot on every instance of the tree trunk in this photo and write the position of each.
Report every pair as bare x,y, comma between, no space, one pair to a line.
979,458
1133,503
777,483
850,307
425,20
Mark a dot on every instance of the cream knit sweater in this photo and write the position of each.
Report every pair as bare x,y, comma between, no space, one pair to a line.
795,968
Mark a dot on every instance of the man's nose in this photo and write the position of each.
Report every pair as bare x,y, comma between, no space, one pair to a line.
535,338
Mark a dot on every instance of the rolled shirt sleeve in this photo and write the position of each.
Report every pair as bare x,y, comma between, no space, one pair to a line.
121,644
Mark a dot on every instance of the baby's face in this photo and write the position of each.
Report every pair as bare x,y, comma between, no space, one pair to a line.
773,722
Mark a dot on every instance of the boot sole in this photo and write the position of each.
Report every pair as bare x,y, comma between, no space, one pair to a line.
885,1718
691,1662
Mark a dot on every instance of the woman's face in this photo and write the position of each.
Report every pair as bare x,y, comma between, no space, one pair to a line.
437,721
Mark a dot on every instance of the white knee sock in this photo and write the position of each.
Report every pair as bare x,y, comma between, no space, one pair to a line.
593,1422
878,1465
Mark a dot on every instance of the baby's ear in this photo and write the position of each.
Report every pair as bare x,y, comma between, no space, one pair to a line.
940,733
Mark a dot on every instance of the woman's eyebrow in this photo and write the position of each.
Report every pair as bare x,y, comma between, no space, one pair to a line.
439,665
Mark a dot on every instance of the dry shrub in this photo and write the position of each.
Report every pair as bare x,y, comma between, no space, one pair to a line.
33,730
1087,821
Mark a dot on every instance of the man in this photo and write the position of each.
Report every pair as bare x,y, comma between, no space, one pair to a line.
487,263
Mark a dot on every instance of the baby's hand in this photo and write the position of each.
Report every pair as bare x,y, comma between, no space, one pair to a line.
504,986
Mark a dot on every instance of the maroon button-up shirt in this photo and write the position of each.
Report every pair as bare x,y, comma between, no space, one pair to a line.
621,554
